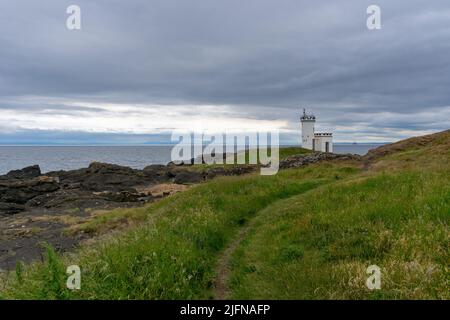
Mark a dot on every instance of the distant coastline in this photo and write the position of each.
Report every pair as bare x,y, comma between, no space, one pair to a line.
53,158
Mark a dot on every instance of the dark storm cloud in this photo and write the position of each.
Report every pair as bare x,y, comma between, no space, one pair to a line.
261,58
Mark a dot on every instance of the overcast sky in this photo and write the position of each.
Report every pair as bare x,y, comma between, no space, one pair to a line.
139,69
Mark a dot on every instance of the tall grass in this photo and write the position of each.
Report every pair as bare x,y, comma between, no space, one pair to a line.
314,232
173,253
319,244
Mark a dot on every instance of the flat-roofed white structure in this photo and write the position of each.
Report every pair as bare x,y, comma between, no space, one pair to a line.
317,141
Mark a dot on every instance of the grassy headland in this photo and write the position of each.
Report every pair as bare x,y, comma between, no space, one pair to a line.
312,232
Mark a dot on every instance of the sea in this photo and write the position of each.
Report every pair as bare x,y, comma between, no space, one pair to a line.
53,158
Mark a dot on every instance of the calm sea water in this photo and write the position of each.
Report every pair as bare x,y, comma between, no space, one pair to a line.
68,158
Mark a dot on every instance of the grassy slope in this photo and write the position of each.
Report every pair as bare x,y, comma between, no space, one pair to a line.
319,244
315,231
290,151
173,254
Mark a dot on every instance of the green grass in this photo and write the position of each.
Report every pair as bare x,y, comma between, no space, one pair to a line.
319,244
314,232
283,152
174,253
292,151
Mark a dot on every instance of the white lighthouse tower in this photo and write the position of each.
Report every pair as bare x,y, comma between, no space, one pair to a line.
308,121
317,141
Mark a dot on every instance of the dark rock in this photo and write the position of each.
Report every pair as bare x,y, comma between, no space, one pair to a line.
101,177
156,173
302,160
234,170
98,185
57,198
74,185
25,173
11,208
123,196
188,177
171,174
107,168
20,191
154,169
69,199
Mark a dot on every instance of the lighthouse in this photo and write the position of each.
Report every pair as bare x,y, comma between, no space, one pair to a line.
316,141
308,121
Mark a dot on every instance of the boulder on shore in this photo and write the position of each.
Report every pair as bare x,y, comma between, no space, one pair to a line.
11,208
188,177
101,177
25,173
20,191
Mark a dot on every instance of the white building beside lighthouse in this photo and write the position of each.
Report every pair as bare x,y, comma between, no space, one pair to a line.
317,141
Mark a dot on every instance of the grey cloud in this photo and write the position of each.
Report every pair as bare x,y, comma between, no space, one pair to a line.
48,108
265,58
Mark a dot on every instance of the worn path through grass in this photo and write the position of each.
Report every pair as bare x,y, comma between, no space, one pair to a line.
173,252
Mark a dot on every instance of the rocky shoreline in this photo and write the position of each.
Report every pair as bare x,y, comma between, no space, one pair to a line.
95,186
38,208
